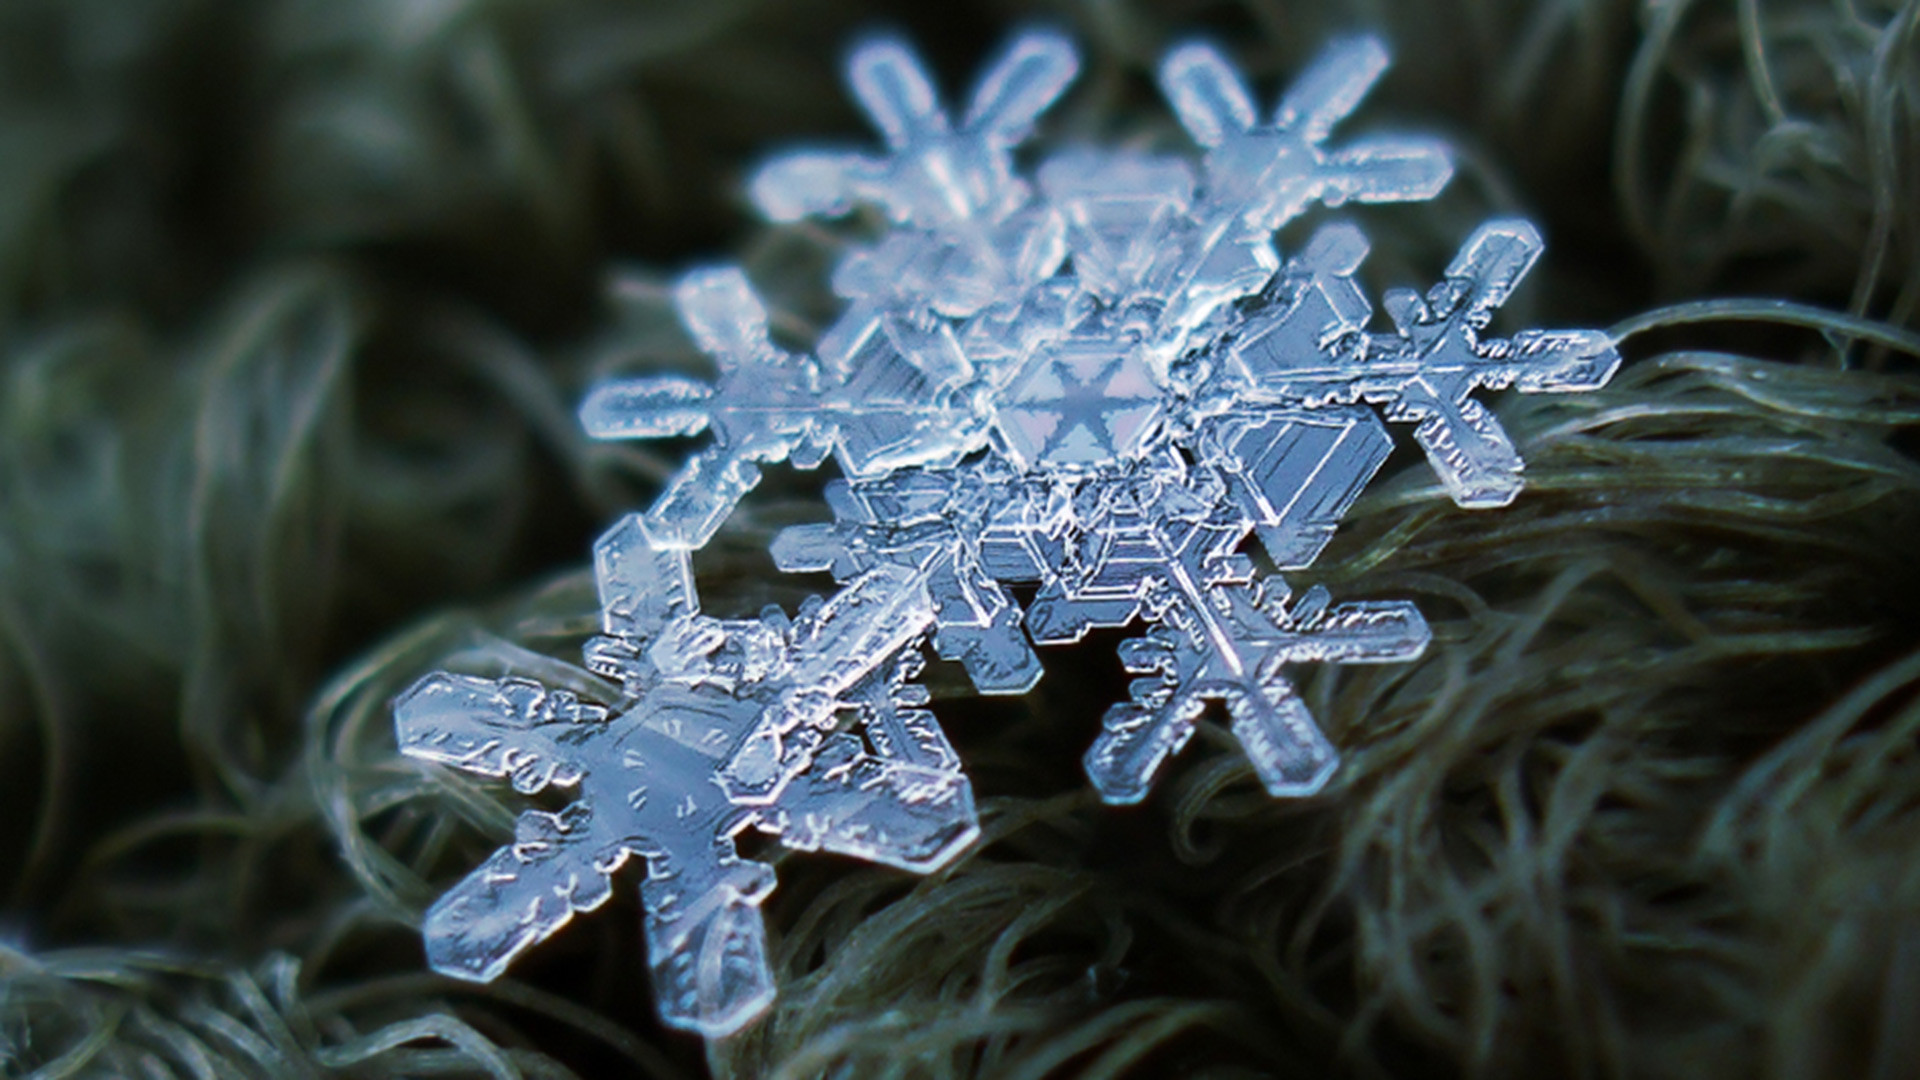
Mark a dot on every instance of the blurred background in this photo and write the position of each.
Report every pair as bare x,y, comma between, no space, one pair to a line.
297,297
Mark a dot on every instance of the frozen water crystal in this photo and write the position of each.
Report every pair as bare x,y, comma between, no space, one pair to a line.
966,234
885,394
1105,389
1306,351
806,729
1266,175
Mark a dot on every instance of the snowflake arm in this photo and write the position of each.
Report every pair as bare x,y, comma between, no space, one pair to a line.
1309,350
967,235
758,410
518,729
1294,474
898,797
644,585
887,392
977,623
1211,100
508,728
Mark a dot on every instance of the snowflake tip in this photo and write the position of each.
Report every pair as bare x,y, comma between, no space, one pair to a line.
891,82
1389,169
720,310
1331,87
1027,79
1207,93
1492,263
657,407
1289,754
643,583
801,184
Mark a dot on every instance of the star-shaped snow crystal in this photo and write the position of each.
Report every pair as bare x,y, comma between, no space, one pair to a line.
1268,174
1088,403
938,174
727,725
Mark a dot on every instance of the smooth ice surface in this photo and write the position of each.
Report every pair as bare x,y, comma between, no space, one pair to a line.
1107,386
804,728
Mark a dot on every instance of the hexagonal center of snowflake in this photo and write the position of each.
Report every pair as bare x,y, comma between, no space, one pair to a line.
1079,404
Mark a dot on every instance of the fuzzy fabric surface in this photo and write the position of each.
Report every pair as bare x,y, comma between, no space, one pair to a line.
297,298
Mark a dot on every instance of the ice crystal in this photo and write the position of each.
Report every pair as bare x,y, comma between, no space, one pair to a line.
806,729
1102,386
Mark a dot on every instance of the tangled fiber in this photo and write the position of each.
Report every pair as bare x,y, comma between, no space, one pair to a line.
296,297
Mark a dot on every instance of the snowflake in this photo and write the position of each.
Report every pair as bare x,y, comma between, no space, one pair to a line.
1101,386
806,729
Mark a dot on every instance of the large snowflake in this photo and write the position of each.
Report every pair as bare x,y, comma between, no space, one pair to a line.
1103,386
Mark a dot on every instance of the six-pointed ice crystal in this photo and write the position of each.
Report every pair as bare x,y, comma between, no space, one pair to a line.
1103,389
805,729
